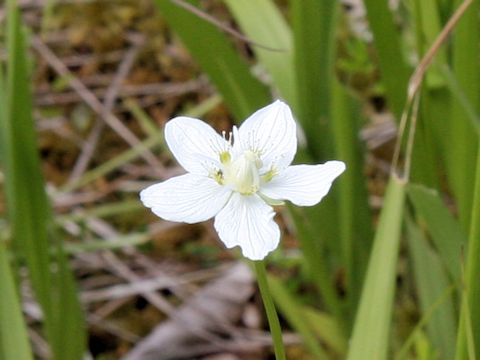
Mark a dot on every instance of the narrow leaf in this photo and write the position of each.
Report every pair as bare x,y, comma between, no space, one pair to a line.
314,24
387,40
431,282
446,232
28,208
461,157
295,316
372,324
242,93
470,314
355,223
14,340
263,23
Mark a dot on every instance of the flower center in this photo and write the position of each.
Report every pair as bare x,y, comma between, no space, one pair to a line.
242,173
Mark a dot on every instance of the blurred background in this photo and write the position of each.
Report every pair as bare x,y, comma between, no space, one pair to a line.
385,267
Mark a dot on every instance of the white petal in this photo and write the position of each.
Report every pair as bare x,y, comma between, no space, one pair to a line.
187,198
195,144
247,221
303,185
271,131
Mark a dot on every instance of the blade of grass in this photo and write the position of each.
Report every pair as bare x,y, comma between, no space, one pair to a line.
393,68
326,328
459,94
29,224
354,213
428,157
426,316
269,305
242,93
462,156
446,232
14,340
317,268
314,53
314,24
370,336
295,316
28,207
263,23
425,163
423,347
428,26
431,282
470,312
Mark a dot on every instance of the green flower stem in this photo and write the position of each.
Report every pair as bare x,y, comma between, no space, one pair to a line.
270,310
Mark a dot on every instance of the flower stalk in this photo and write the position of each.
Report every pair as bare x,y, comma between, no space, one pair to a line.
272,316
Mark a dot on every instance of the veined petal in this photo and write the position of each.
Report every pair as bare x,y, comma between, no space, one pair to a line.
272,133
187,198
247,221
303,185
195,144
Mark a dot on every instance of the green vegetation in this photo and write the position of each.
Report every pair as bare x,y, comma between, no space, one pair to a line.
388,265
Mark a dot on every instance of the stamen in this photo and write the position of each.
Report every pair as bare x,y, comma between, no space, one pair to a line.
225,157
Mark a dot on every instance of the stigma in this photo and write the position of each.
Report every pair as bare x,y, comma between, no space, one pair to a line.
242,174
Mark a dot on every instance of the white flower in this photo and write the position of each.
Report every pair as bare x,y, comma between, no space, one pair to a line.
235,179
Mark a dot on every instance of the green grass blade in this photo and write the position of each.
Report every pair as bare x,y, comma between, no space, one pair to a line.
457,92
28,207
372,324
447,234
70,337
387,41
427,160
426,14
425,319
431,119
326,328
314,52
317,268
263,23
354,213
431,282
26,198
14,340
3,115
465,68
470,314
295,316
314,24
210,48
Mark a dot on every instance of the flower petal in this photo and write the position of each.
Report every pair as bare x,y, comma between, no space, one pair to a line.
272,132
195,144
247,221
187,198
303,185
